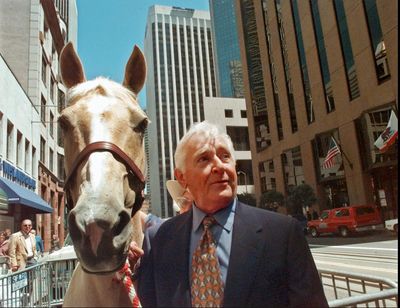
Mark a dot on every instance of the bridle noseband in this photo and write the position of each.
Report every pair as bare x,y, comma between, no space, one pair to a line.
102,146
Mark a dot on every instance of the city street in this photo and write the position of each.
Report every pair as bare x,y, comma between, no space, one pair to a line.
373,254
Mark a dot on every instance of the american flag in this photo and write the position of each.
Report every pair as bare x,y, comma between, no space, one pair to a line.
332,152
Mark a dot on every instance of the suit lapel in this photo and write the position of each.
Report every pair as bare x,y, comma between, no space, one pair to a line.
182,235
247,245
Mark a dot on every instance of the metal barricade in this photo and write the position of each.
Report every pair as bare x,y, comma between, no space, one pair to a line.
42,285
344,289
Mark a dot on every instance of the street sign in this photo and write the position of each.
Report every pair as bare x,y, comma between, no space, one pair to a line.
19,281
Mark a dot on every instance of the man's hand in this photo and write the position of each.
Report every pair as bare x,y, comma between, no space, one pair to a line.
14,268
134,254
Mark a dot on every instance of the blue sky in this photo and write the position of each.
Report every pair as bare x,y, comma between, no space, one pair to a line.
108,30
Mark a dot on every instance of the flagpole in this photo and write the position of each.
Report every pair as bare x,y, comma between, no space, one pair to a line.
341,151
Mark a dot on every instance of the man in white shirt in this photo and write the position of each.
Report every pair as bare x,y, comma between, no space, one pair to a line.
22,249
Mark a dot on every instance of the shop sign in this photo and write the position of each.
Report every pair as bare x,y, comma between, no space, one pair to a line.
17,175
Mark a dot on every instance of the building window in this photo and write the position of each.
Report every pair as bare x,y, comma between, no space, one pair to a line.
10,140
51,160
43,150
43,110
60,166
292,166
323,59
285,58
347,51
52,89
243,114
267,175
34,165
228,113
61,100
244,171
240,137
255,75
44,69
51,124
19,158
376,37
272,72
27,156
303,63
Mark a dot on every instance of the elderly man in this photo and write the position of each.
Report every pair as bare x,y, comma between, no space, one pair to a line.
22,247
223,252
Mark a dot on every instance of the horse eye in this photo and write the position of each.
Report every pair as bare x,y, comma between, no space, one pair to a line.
141,127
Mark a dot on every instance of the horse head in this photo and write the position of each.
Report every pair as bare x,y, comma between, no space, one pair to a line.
103,128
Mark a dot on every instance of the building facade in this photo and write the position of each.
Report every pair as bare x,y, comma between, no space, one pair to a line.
231,116
30,45
228,65
317,71
19,141
179,56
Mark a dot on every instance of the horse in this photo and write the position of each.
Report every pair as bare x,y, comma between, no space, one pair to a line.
103,128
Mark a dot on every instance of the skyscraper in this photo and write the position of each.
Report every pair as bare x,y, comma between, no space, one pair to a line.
179,56
226,48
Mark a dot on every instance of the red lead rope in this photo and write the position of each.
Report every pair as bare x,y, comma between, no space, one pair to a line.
124,275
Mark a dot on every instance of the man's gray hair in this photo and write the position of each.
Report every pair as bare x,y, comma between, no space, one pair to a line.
205,128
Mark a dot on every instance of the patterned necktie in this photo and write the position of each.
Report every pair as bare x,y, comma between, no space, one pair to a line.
207,287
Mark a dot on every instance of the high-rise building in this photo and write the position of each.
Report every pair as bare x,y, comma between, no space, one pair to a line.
320,73
226,48
179,56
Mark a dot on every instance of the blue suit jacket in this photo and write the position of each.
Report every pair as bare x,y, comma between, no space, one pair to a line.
270,264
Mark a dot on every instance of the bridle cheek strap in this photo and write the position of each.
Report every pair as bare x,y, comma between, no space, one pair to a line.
102,146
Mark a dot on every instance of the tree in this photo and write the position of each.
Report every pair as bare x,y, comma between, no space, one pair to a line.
247,198
300,197
271,199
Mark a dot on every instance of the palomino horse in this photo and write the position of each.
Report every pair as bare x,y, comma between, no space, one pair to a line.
103,128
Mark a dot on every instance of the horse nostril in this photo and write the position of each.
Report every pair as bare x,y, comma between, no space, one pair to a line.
123,220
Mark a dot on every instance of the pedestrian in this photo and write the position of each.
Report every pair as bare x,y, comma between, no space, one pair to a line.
4,242
22,247
39,243
250,256
55,243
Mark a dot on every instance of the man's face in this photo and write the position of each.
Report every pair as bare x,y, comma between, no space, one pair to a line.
26,226
210,173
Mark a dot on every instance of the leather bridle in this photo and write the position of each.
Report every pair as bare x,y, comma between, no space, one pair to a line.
132,168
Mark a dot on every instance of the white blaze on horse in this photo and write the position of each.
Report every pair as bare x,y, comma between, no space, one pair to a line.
103,128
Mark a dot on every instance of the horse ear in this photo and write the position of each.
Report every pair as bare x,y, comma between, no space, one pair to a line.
71,67
135,71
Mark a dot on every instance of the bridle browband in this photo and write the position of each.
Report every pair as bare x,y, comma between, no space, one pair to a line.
102,146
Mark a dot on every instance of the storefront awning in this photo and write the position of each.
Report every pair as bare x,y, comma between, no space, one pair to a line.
20,195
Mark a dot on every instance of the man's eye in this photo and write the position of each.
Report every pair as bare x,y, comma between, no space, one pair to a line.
202,159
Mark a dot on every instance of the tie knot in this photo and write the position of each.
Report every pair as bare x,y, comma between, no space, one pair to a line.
208,221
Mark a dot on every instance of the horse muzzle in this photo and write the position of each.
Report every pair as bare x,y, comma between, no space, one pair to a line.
101,238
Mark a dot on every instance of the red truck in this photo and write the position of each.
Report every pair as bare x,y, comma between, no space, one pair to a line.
345,220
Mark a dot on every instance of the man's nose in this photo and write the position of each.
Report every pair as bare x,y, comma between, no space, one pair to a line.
218,166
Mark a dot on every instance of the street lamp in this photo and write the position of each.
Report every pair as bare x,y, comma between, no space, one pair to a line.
245,178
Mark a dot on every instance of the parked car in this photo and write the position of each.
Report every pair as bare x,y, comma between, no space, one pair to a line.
391,225
345,220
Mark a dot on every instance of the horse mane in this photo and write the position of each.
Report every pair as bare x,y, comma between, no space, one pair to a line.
100,86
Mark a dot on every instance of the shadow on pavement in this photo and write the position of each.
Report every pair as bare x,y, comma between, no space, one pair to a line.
366,237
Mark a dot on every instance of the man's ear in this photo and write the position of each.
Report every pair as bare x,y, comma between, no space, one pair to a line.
180,177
